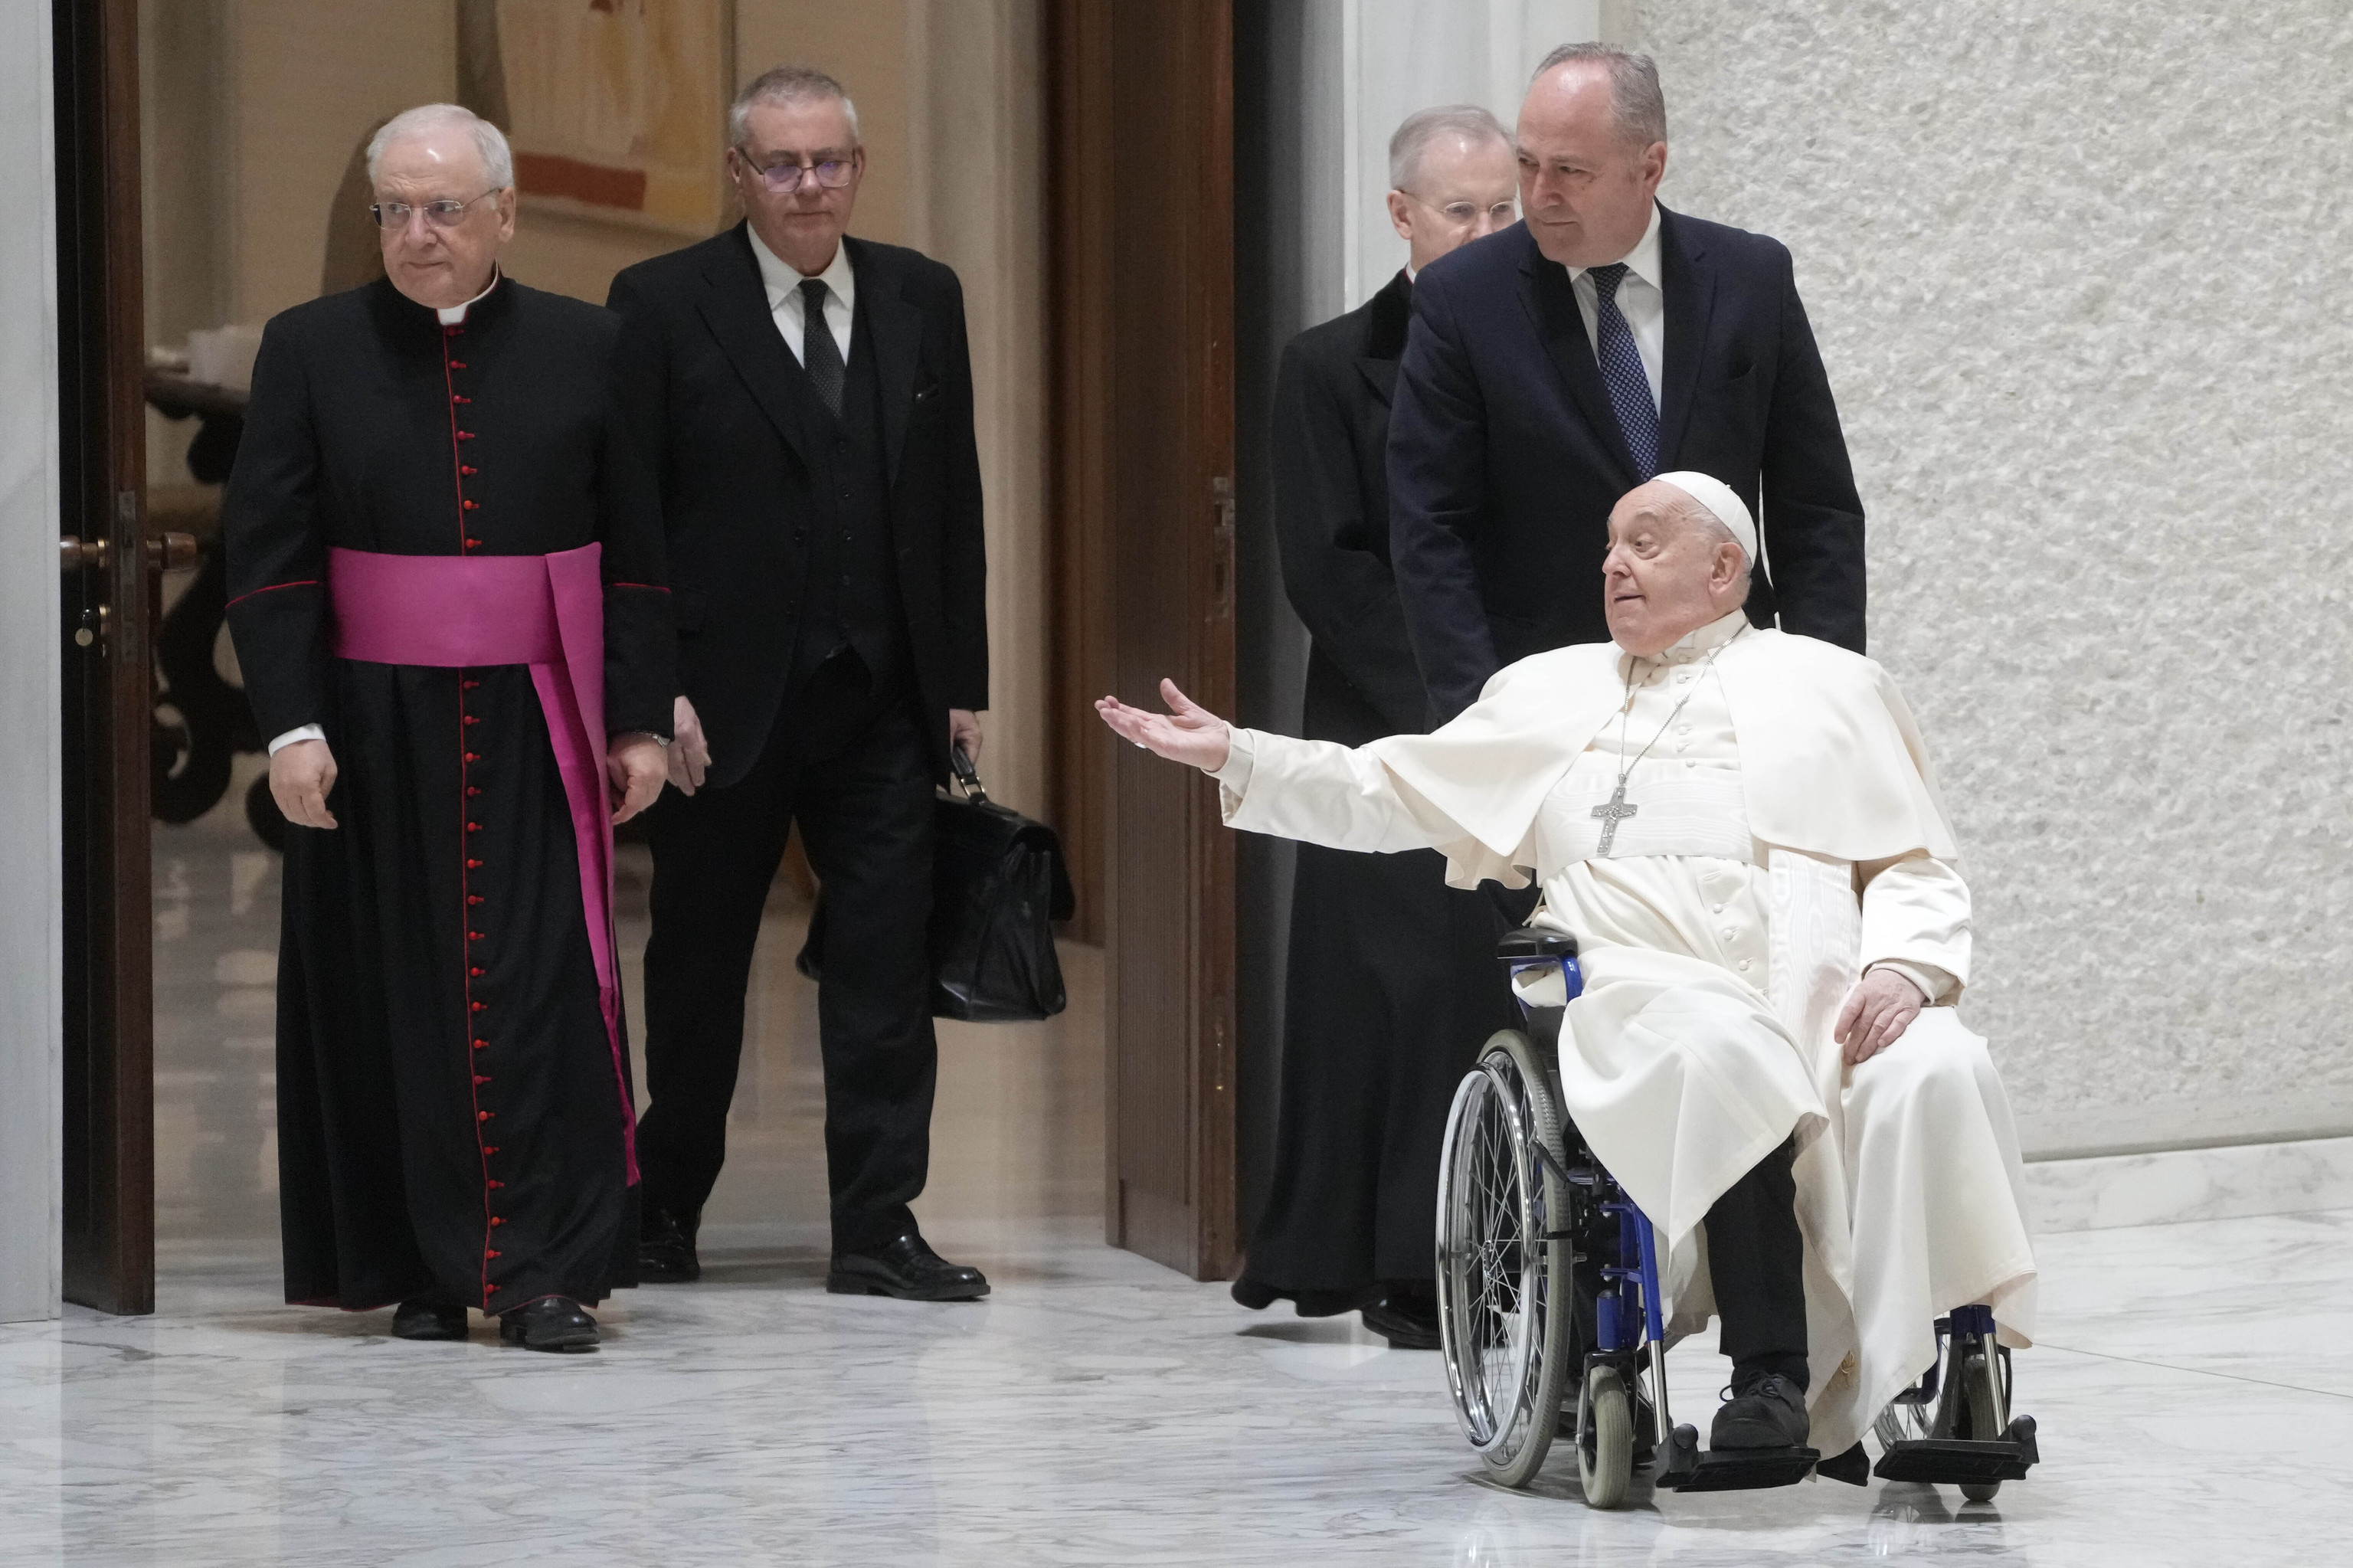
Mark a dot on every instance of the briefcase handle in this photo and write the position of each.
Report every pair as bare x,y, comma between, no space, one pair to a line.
967,775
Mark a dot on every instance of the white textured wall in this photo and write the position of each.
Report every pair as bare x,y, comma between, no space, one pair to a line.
31,1108
2084,275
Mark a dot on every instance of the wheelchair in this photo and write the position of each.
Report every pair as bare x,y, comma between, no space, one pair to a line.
1522,1202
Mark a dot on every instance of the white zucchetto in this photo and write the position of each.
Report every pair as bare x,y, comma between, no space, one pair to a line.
1722,502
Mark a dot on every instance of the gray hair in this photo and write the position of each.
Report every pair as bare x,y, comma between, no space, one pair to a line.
780,85
1635,101
498,160
1413,138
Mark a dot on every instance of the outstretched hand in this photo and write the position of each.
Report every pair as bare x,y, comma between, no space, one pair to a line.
1878,1011
1186,732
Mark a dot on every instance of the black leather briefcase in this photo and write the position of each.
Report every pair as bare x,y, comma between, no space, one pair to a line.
998,885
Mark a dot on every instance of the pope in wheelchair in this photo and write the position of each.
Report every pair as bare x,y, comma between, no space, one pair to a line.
1761,1105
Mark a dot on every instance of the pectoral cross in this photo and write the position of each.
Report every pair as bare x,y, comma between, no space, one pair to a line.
1612,813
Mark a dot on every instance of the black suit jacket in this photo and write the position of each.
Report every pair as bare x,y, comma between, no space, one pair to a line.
1504,457
1332,519
707,387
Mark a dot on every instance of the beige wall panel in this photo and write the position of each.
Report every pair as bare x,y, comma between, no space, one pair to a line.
311,79
980,207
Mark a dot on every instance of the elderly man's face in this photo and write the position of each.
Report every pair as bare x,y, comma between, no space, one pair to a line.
1585,190
1667,574
436,265
803,225
1464,189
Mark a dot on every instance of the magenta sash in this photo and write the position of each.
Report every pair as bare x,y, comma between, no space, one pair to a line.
546,611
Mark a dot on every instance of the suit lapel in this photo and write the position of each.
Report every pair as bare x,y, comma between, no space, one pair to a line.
1690,287
897,329
1386,316
734,305
1551,301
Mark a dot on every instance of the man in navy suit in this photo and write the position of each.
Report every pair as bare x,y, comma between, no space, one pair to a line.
1602,340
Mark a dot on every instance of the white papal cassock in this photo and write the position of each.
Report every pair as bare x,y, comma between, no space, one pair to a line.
1786,835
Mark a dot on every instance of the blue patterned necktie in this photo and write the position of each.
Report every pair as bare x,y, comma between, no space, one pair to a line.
1621,371
821,356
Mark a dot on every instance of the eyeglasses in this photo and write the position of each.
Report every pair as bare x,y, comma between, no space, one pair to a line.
1463,214
444,213
785,178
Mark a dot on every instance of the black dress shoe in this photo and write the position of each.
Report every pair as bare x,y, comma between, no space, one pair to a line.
1407,1323
549,1323
666,1247
1767,1411
907,1268
429,1317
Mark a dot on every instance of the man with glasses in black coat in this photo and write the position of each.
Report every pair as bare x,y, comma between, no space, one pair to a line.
806,400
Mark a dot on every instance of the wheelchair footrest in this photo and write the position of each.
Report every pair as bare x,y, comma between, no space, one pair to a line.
1688,1469
1952,1460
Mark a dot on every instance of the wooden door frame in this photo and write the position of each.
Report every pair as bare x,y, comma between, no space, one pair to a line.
109,1134
1144,548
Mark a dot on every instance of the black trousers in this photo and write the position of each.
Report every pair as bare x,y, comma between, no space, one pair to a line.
849,765
1756,1260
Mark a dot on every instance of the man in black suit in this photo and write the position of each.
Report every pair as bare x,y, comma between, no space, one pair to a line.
807,399
1392,979
1604,340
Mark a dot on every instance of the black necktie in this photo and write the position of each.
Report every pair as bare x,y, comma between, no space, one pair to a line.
1621,371
820,355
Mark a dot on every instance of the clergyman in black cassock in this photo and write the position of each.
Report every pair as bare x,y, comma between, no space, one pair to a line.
455,1121
1392,983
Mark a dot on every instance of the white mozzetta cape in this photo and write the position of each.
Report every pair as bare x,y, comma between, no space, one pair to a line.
1831,763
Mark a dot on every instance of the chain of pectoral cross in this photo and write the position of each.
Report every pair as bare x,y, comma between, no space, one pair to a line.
1614,809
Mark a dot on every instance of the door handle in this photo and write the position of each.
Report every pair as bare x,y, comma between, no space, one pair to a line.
165,552
1221,499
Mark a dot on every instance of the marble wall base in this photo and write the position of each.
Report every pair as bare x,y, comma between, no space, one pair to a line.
2168,1185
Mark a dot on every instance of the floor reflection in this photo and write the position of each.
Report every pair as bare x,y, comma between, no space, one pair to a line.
1018,1132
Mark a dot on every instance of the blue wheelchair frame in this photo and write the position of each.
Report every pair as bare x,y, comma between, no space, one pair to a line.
1630,1335
1630,1326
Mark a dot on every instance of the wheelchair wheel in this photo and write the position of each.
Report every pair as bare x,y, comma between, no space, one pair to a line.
1505,1309
1983,1405
1605,1438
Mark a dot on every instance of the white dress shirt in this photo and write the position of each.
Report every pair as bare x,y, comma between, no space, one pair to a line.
449,315
783,281
1641,300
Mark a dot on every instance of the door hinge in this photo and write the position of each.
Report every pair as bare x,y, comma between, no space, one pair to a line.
1221,498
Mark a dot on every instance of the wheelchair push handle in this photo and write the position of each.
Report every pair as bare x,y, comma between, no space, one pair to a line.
1530,943
1542,965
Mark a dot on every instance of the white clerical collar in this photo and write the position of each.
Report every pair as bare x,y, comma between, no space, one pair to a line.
1643,259
455,315
1698,644
781,278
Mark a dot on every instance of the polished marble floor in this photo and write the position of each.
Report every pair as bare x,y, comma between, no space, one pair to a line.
2196,1400
2195,1392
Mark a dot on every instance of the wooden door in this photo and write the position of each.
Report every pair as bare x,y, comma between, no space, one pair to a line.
1141,143
110,586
